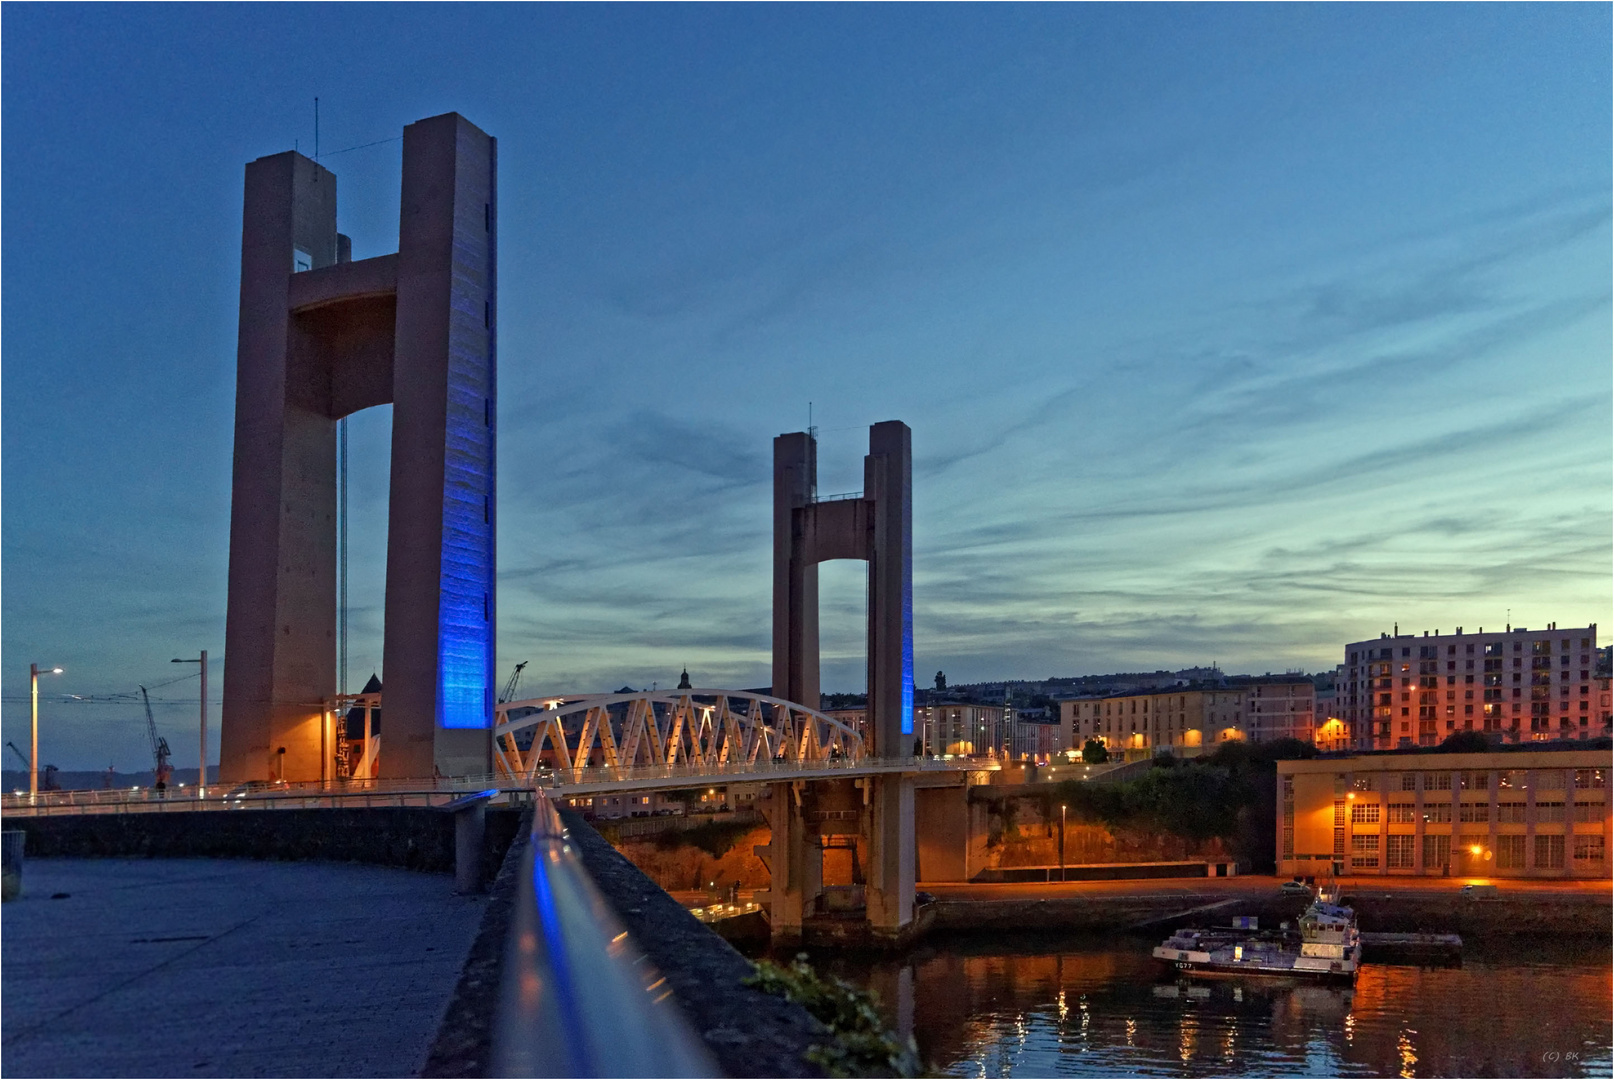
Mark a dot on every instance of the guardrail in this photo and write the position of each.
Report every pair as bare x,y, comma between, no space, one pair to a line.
600,777
577,998
302,796
434,791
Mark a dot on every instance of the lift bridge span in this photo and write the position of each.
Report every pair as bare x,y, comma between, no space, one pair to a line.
648,740
567,745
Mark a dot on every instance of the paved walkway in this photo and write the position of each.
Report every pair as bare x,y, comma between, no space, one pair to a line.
215,967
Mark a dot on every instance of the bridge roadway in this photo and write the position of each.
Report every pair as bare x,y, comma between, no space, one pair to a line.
603,779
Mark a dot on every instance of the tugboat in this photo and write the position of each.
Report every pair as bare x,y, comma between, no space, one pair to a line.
1325,946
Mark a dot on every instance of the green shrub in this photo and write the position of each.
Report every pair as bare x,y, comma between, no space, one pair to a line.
713,837
862,1046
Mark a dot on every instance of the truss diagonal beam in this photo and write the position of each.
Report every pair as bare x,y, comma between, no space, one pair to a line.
698,731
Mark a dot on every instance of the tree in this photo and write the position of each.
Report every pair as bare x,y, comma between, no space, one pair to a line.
1093,752
1466,742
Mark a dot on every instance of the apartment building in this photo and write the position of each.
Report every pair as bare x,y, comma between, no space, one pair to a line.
1185,721
1330,733
970,730
963,729
1507,813
1517,685
1040,733
1278,706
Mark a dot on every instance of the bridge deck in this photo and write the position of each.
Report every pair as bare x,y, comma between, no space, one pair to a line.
564,782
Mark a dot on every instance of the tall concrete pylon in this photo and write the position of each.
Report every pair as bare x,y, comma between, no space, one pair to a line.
877,527
321,337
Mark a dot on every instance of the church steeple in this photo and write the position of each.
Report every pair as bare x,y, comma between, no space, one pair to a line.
683,683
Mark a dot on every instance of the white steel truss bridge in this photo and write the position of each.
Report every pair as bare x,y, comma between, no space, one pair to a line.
652,738
639,741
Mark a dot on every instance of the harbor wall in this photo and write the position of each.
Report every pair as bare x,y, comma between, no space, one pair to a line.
1508,916
413,838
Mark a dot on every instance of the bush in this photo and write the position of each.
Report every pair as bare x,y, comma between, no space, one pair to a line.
862,1046
1094,753
713,837
1230,795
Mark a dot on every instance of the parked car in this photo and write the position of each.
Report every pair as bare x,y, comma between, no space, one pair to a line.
1480,892
1295,887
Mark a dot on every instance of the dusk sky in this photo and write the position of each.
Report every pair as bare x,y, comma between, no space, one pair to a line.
1225,333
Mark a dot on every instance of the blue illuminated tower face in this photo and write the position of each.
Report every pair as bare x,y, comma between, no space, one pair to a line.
440,614
907,632
466,621
466,618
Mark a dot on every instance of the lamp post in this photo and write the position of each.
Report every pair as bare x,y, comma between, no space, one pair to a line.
201,777
1061,841
33,710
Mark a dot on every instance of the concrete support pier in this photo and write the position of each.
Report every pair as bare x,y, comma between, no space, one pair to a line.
842,855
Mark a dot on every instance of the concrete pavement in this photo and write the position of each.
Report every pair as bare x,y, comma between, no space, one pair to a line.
204,967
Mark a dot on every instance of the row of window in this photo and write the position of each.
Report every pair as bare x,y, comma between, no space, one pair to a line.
1492,648
1400,851
1472,780
1506,813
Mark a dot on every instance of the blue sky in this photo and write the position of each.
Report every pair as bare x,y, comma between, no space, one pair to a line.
1225,333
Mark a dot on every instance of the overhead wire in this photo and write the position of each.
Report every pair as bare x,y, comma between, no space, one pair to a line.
114,698
362,146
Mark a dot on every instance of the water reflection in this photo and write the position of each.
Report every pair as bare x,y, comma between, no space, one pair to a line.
1409,1057
1072,1006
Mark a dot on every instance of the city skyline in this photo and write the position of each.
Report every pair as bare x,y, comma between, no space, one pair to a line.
1224,334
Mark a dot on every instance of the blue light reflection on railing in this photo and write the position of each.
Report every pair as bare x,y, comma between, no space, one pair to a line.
576,995
580,1062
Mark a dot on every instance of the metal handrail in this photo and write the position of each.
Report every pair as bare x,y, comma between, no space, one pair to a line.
435,790
256,791
290,798
562,778
577,998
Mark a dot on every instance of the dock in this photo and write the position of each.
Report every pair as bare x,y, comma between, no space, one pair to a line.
1431,942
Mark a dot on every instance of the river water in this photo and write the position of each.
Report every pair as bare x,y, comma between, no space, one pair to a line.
1041,1005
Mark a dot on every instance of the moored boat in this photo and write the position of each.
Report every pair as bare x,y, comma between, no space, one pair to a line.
1324,944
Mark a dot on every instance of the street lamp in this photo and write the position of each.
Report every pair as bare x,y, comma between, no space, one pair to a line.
33,707
1061,841
201,777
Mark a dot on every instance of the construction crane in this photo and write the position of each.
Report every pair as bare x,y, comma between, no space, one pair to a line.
509,691
159,746
49,781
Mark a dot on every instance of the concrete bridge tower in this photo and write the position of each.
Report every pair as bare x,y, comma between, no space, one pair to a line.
322,337
874,814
